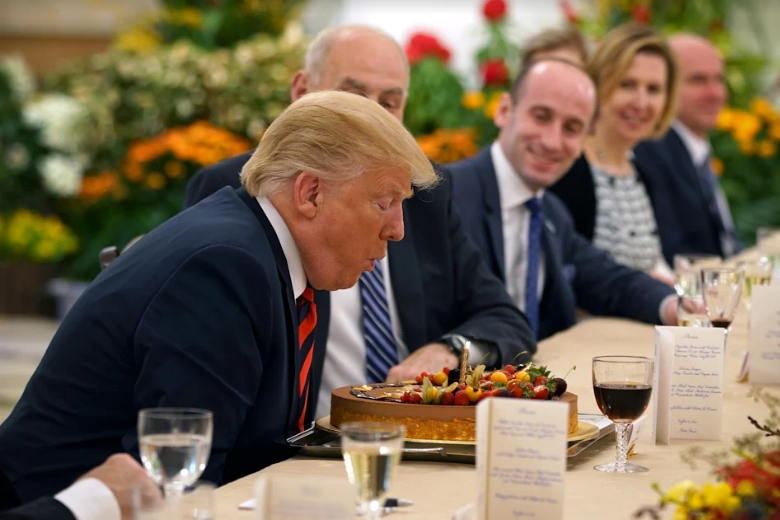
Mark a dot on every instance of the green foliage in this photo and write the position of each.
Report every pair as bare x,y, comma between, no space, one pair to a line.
434,98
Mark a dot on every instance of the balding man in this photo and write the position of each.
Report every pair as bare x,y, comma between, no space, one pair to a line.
433,292
524,231
680,163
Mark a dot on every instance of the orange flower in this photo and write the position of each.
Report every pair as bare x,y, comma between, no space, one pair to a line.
446,145
95,187
174,169
155,181
717,166
766,148
133,171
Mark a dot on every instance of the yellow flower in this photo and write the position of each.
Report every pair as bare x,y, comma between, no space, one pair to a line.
746,489
681,513
174,169
774,131
186,16
746,125
725,119
766,148
155,181
747,147
473,100
680,492
45,250
140,40
717,166
696,501
762,108
491,107
720,497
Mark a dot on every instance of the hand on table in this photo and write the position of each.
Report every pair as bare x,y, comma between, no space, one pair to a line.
661,276
121,474
669,312
431,358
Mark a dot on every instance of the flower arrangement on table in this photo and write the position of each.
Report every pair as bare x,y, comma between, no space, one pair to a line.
746,489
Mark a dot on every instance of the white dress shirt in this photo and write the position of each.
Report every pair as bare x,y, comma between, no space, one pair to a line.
515,217
90,499
290,250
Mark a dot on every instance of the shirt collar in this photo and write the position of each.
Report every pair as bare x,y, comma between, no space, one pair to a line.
699,148
512,190
290,250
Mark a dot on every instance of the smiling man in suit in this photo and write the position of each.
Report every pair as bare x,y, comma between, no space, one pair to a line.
214,308
525,233
680,162
433,292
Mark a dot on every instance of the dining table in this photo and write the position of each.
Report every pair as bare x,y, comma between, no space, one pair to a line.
438,489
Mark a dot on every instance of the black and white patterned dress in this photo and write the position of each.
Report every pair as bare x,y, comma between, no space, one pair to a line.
625,223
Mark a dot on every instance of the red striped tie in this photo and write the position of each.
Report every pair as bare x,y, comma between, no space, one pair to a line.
307,322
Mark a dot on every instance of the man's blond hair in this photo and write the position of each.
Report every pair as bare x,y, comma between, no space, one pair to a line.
336,136
613,57
552,40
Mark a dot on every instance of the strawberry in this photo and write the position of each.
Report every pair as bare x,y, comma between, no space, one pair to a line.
541,392
446,370
462,386
405,398
415,398
485,395
461,399
509,369
540,381
517,392
512,385
418,379
495,392
448,399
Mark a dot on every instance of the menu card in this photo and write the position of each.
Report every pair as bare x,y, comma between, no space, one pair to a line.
764,350
521,458
688,385
280,497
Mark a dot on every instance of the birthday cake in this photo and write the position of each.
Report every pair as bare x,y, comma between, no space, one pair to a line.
442,406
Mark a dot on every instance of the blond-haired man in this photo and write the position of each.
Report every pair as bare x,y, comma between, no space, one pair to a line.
213,309
433,292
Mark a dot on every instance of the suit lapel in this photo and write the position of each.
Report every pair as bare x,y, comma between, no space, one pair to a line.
492,202
406,281
290,308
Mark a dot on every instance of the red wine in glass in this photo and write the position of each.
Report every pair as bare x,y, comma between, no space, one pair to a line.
721,323
622,402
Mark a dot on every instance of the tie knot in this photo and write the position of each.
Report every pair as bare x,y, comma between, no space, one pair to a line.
307,296
534,205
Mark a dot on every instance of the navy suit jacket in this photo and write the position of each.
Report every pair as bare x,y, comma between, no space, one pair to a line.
576,273
440,283
42,509
577,191
199,313
697,221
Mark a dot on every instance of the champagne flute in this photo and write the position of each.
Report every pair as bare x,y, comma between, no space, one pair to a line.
371,452
722,289
756,272
622,386
175,444
687,269
768,242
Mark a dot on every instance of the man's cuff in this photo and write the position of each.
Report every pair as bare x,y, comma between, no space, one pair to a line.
90,499
661,308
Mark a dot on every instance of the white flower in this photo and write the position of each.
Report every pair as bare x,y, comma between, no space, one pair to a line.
62,120
19,76
62,174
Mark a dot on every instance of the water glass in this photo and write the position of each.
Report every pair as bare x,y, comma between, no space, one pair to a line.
754,272
175,444
687,269
371,453
196,503
622,386
722,289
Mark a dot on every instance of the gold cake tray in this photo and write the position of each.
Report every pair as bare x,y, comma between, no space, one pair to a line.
323,440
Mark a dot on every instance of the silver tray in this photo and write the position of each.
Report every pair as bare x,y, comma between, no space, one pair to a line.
318,442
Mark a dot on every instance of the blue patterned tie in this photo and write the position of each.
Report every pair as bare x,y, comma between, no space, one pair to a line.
381,353
532,275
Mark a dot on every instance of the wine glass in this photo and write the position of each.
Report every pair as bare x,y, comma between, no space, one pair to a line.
175,444
622,386
371,452
687,269
722,289
768,242
754,272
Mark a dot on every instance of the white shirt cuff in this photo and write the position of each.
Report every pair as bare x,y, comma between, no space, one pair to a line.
661,308
90,499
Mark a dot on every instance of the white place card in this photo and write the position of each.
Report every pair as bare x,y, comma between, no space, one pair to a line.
764,351
280,497
688,383
521,458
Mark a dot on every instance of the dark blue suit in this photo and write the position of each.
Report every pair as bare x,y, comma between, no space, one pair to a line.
42,509
576,273
200,313
440,283
697,222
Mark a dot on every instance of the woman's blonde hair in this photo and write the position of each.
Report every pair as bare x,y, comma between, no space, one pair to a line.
613,57
336,136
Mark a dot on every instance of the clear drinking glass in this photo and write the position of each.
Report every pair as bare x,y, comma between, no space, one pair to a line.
687,269
622,386
175,444
722,289
371,453
754,272
197,503
768,242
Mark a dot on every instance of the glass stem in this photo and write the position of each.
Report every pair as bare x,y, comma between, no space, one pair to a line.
621,431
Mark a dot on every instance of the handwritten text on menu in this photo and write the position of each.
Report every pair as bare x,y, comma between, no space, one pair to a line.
521,451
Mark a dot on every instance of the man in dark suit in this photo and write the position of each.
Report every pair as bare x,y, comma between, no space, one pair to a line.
105,493
435,293
214,308
525,233
679,164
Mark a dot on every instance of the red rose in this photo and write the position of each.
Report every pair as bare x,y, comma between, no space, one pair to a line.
494,72
422,45
494,10
569,12
641,13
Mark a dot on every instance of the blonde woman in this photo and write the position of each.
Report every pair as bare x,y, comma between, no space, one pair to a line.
610,199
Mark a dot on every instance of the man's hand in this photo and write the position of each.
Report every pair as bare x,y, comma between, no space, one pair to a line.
121,474
669,312
431,358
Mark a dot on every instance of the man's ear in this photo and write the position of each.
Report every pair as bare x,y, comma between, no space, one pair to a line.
307,194
300,85
503,110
